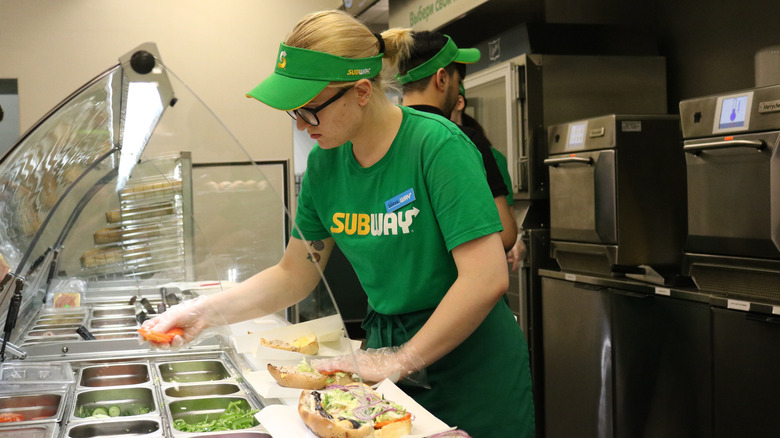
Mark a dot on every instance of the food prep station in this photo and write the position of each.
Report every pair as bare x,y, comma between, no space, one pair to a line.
150,394
113,208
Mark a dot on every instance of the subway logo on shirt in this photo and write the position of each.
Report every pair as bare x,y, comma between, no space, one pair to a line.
375,224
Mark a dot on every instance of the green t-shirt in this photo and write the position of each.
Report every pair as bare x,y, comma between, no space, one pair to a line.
397,220
504,169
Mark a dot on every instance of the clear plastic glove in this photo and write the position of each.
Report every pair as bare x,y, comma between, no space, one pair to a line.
516,254
374,365
194,317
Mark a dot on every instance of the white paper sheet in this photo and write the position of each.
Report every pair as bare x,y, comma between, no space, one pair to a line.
329,331
283,421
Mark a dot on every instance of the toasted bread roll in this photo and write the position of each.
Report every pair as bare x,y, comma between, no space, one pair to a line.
290,377
305,344
303,376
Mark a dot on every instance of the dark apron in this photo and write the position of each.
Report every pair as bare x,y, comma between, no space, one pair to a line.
483,386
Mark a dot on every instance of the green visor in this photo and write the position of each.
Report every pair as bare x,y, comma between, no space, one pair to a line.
447,55
301,74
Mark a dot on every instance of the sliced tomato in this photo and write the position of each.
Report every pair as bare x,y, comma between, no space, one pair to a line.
330,373
382,424
10,417
158,337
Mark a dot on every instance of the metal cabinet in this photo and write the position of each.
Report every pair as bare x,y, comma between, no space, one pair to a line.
619,362
578,368
662,350
746,351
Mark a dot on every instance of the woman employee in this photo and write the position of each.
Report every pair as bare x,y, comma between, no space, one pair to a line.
404,196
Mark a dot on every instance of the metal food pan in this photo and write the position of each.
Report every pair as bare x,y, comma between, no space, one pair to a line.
56,315
33,407
59,320
196,410
113,311
16,430
193,371
46,339
124,427
129,399
124,301
52,332
125,321
116,335
122,374
54,326
202,390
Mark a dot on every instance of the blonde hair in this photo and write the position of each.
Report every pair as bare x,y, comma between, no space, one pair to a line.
340,34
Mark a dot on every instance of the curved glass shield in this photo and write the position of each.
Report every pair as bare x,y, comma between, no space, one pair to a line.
128,198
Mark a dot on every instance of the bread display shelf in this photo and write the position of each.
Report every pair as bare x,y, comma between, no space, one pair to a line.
128,233
152,189
138,212
145,235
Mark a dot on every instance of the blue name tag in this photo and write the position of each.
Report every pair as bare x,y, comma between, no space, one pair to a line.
399,201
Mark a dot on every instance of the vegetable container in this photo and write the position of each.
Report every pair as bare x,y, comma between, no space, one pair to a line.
17,430
125,401
30,408
123,427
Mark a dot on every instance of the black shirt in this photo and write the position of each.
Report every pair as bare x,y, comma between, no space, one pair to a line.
494,178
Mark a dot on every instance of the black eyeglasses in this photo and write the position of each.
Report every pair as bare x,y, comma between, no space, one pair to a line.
309,115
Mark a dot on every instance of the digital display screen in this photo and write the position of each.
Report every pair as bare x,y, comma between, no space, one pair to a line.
577,135
733,112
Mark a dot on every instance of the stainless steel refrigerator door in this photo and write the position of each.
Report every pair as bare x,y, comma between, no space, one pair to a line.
578,368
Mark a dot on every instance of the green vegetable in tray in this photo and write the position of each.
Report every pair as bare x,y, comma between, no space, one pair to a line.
233,418
111,411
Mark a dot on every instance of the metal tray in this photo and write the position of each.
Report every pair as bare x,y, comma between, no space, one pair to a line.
114,375
203,390
113,311
34,408
124,427
124,321
17,430
193,371
130,399
195,410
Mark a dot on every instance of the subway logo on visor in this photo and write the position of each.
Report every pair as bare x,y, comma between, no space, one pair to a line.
362,71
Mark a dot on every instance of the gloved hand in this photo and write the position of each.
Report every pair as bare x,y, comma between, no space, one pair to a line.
194,317
400,363
516,254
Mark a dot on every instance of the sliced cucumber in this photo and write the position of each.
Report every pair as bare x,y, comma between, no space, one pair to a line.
114,411
99,411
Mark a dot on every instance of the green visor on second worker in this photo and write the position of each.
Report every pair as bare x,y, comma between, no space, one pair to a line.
301,74
447,55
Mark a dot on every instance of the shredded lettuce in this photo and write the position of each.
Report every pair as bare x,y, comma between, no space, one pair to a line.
233,418
305,367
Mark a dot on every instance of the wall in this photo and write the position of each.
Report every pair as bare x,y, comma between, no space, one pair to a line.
220,49
709,45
